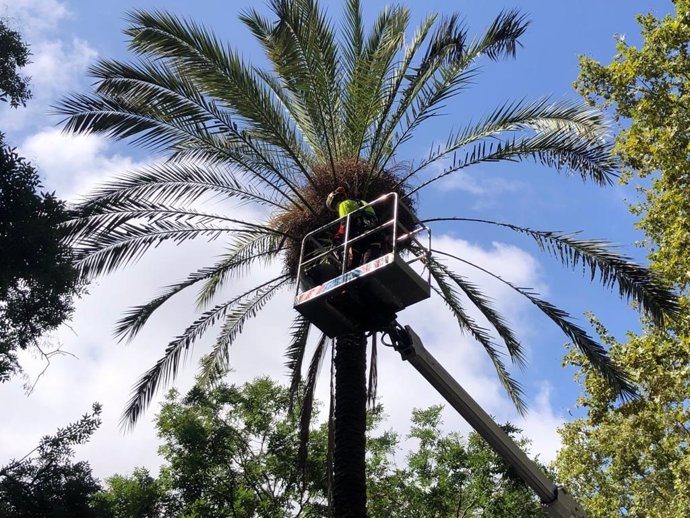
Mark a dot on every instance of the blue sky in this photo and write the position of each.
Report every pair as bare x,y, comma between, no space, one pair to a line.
66,36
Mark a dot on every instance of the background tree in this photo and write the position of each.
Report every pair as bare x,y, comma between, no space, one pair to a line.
229,451
37,278
633,458
14,54
136,496
333,110
446,475
45,482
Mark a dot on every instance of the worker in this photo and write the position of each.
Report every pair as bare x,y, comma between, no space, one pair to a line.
362,250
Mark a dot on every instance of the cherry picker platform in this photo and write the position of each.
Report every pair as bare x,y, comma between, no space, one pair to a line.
340,296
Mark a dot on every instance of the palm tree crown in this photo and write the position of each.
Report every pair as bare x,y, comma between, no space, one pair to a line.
334,108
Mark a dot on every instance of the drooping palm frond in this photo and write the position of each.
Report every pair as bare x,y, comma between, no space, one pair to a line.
245,253
373,379
634,282
294,354
592,350
216,363
166,367
308,398
466,323
495,319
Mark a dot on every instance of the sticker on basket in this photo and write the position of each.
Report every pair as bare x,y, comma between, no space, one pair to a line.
346,277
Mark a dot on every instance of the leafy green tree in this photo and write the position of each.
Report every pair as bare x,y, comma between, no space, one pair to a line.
633,459
446,475
333,109
647,88
230,451
14,54
137,496
38,280
45,482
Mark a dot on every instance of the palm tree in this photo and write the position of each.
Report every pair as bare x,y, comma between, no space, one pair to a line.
333,109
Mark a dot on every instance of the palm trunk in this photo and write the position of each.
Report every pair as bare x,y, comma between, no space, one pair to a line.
349,477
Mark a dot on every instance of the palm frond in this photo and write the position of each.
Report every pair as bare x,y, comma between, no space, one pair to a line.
308,398
165,369
243,253
301,46
221,74
367,77
216,363
176,182
466,323
597,258
482,303
552,148
372,383
447,67
108,241
295,354
590,348
135,318
542,117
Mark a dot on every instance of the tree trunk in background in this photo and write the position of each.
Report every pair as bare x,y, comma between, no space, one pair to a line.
349,476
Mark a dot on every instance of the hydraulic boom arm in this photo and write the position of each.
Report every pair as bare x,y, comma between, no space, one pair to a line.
556,501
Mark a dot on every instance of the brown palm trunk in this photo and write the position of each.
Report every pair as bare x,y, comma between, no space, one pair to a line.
349,476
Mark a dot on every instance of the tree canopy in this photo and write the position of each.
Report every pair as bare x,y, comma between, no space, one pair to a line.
633,458
38,280
46,482
230,451
14,54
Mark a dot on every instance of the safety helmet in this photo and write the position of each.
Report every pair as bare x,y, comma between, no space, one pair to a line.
334,197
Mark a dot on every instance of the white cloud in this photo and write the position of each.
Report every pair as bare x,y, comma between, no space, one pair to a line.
58,62
73,164
35,17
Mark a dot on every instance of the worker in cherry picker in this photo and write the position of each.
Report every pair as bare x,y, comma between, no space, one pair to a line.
362,250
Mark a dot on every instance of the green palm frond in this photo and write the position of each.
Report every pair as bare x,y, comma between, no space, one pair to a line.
135,318
367,77
294,355
447,67
220,74
243,253
216,363
302,49
108,241
466,323
482,303
552,148
542,117
165,369
589,347
179,183
596,257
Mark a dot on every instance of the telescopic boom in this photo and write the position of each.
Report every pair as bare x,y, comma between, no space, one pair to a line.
556,501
